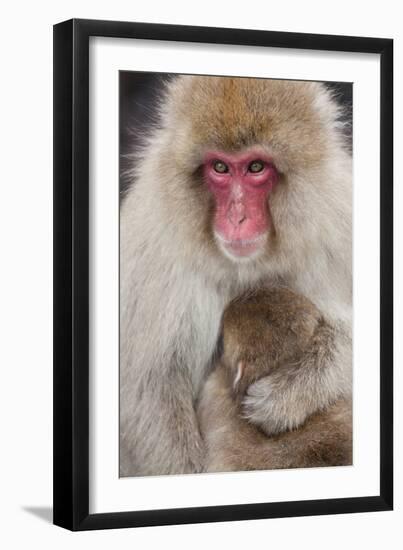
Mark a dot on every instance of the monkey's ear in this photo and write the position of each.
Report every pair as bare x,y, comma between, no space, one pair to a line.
239,373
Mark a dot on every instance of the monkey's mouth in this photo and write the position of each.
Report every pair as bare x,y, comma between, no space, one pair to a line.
242,248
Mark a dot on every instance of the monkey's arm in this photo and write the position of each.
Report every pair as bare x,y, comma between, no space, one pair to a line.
168,333
285,399
162,435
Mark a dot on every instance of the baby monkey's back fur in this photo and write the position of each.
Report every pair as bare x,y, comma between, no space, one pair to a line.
264,331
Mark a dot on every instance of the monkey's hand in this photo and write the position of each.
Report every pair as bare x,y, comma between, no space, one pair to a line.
322,374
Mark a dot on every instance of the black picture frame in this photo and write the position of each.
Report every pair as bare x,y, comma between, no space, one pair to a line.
71,274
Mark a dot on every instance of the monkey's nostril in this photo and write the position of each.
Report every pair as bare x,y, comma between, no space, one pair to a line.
237,214
237,220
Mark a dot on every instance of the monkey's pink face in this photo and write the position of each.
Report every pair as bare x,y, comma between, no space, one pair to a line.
241,184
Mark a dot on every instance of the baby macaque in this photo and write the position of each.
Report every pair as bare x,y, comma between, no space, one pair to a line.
264,332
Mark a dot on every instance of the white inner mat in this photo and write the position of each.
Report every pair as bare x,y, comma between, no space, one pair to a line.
108,493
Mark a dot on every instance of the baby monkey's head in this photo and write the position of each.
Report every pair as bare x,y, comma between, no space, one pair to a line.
263,330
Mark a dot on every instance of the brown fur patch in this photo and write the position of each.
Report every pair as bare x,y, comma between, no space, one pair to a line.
234,113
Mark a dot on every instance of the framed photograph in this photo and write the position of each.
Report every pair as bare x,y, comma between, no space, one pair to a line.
223,274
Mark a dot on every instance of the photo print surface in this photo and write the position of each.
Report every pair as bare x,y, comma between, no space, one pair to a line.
235,274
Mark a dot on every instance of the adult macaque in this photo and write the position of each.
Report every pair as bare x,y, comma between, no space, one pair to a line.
243,183
264,333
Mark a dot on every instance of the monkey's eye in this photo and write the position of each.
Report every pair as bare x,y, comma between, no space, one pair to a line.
220,167
256,166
